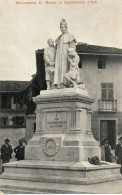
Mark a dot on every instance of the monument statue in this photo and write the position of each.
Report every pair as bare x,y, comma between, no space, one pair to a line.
61,61
73,75
63,42
62,151
49,58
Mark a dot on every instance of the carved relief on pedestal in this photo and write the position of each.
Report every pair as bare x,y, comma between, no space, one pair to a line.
50,147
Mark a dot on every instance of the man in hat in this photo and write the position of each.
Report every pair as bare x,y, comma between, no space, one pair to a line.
20,151
118,153
107,148
6,151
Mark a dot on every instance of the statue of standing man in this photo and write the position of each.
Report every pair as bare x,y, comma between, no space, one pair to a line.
63,42
49,58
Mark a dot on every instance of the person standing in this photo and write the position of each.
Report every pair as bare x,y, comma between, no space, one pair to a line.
107,148
49,58
118,153
6,151
63,42
20,151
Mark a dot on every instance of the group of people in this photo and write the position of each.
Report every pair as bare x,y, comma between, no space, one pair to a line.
118,152
6,151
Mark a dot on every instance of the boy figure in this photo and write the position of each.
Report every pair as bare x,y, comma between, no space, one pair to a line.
20,151
118,153
49,58
6,151
107,148
73,75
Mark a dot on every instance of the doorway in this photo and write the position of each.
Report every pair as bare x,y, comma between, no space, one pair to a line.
108,130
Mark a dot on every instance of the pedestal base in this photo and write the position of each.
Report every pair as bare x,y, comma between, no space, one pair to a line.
62,147
63,127
50,176
57,155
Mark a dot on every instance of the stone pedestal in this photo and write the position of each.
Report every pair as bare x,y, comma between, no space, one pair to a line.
63,120
56,158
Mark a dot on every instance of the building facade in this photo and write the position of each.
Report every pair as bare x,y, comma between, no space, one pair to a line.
101,71
13,101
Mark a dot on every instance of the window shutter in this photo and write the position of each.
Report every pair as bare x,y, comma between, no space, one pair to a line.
110,91
104,91
107,91
101,62
9,102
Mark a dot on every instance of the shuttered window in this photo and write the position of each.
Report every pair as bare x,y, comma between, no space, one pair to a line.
3,121
101,62
18,120
107,91
5,101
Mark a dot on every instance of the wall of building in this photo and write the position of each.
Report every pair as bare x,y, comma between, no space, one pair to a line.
10,114
14,134
93,77
95,123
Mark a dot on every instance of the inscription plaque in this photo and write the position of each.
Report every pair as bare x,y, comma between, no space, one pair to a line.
56,120
50,147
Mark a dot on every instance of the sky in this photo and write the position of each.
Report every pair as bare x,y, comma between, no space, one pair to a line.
25,28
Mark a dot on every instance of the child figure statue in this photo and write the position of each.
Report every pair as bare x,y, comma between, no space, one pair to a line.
49,58
73,75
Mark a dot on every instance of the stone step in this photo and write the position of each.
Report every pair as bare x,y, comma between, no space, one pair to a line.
53,168
44,178
28,187
36,187
12,191
60,172
57,179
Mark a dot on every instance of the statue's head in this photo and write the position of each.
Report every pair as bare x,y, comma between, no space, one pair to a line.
63,26
50,42
71,52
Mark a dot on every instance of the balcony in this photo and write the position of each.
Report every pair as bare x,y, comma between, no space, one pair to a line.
107,105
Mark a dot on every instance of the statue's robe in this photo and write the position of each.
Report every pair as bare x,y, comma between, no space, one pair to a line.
63,42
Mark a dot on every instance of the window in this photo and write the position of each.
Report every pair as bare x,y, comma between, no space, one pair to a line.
5,101
18,120
107,91
101,62
15,99
3,121
80,63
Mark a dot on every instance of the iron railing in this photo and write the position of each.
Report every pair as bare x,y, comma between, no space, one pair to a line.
107,105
